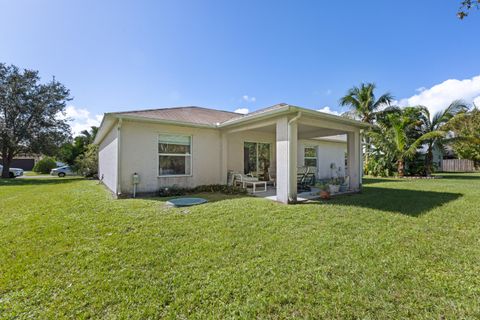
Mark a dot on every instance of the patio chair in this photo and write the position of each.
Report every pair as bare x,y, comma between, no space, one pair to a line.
302,179
247,180
241,178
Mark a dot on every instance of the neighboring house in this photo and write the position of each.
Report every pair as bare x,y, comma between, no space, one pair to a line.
190,146
24,161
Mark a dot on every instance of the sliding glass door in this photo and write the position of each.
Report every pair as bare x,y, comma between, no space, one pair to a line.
256,156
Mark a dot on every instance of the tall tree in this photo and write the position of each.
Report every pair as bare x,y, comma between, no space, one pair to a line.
398,135
437,123
363,103
29,114
466,128
365,106
70,150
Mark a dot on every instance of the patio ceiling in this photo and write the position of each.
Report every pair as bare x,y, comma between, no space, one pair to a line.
305,131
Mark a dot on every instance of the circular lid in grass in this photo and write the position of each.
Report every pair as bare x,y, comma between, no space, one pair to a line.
185,202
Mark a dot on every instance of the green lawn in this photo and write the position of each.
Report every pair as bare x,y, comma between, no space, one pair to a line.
402,249
34,174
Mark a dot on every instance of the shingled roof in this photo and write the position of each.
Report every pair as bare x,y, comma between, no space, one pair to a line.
195,115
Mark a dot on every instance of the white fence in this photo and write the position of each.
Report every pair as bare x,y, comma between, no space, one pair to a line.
458,165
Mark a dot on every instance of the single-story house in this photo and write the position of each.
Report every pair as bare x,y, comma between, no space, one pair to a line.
190,146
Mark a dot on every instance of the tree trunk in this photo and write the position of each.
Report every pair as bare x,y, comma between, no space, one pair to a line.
428,160
6,161
401,168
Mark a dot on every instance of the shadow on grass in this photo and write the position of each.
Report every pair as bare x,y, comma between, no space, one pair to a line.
366,181
408,202
459,176
35,181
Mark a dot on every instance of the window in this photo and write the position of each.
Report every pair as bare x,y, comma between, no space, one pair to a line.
310,157
256,158
174,155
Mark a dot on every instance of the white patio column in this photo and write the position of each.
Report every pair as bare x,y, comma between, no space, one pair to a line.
224,158
354,159
286,136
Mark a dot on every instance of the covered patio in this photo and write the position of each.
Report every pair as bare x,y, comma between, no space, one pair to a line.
276,137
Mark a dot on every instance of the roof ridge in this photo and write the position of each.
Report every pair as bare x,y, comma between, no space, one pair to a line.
178,107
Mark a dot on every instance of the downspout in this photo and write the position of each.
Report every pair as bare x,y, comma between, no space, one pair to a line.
292,158
360,178
119,156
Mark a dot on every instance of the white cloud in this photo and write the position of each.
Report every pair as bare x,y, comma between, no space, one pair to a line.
476,101
441,95
327,109
242,110
249,99
328,92
81,119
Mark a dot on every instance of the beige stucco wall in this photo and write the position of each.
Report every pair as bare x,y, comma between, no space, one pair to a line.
327,153
139,153
107,159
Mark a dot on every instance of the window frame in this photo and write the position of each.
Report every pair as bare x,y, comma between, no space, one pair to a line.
174,154
309,158
270,153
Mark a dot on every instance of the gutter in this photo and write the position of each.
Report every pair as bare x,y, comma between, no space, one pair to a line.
292,159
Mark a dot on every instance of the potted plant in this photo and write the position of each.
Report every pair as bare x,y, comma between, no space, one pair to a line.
324,191
334,185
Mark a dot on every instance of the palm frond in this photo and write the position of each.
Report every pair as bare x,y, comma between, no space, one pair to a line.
412,150
384,100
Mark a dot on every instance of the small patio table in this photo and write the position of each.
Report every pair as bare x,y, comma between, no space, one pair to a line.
254,184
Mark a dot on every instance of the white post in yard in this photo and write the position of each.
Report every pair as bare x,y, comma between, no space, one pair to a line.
354,162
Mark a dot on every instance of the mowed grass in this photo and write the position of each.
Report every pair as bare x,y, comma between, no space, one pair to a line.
401,249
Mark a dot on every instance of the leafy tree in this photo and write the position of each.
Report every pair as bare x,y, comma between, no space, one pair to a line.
466,128
398,135
87,163
29,114
71,150
437,123
466,6
45,165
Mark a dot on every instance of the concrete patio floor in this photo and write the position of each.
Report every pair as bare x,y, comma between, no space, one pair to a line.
271,194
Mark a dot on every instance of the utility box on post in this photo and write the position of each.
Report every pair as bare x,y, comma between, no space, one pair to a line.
135,180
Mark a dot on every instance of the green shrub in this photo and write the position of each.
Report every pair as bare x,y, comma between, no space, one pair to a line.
87,163
174,191
45,165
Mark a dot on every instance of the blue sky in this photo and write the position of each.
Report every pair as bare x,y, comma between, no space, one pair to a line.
123,55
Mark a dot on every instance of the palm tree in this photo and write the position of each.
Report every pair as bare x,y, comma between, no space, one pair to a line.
363,103
437,124
365,107
398,134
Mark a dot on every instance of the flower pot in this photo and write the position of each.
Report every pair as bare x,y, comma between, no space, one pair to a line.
324,194
334,188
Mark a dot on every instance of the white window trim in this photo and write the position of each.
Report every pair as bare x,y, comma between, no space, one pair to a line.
175,154
316,155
